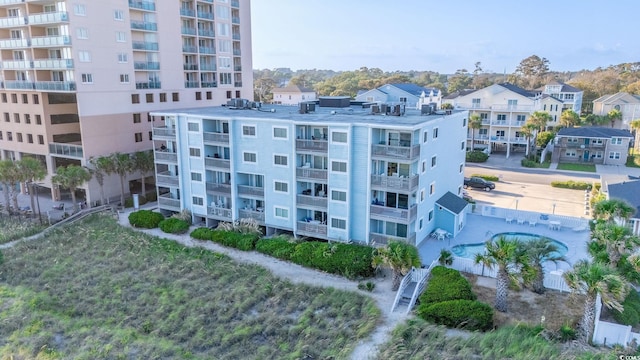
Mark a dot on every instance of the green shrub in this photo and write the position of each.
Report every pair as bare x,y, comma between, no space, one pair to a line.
244,242
367,286
444,285
278,247
529,163
567,333
202,233
476,156
571,184
1,258
174,226
146,219
631,313
463,314
487,177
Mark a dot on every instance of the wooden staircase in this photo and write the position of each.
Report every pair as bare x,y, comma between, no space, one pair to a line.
411,287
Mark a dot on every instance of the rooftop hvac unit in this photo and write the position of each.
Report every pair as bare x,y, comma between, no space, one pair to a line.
396,110
425,109
375,109
384,108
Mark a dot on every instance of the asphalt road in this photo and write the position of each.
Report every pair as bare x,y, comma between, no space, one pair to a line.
531,190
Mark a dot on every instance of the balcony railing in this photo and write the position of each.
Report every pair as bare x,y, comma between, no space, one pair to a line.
316,201
189,49
145,45
16,64
216,137
167,202
312,145
383,239
313,174
66,150
219,212
395,182
163,156
235,20
235,3
148,85
191,84
207,67
13,21
251,214
144,25
167,179
397,152
56,85
237,68
164,132
53,64
250,190
507,107
394,214
14,43
10,2
50,41
19,85
146,65
235,36
219,188
188,30
190,67
312,228
211,84
48,18
206,33
217,163
236,52
142,5
206,50
187,12
205,15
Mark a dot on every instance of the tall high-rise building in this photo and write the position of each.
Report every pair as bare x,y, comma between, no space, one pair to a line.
79,78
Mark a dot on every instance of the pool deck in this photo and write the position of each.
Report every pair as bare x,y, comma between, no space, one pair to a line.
480,228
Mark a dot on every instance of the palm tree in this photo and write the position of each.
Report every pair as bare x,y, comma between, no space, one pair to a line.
527,131
538,121
8,181
121,165
538,252
71,177
100,167
569,118
145,163
616,240
398,256
635,126
475,123
502,253
591,279
612,210
614,115
31,170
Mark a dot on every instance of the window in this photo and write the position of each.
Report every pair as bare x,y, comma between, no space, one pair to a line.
337,195
249,157
225,78
339,166
16,117
9,136
475,102
196,177
38,120
403,99
40,139
248,130
87,78
435,133
616,141
570,153
422,195
420,223
4,98
502,117
138,137
118,15
82,33
432,188
198,95
84,56
512,104
464,122
135,99
521,118
612,154
433,161
193,126
7,117
228,94
279,133
195,152
282,212
338,223
121,36
14,98
163,97
339,137
79,9
27,119
124,78
196,200
424,166
462,145
136,118
123,58
280,160
209,95
0,135
36,99
175,97
149,98
19,136
430,214
25,98
281,186
150,135
461,168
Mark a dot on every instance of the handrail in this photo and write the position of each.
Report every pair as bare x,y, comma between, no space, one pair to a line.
403,285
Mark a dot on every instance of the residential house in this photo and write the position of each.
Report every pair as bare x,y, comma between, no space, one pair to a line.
570,96
628,191
592,144
411,95
627,104
331,170
293,95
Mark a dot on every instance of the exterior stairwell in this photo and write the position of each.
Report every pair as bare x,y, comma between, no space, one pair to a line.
411,287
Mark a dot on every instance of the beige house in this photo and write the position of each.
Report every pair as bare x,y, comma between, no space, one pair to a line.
79,78
293,95
592,144
627,104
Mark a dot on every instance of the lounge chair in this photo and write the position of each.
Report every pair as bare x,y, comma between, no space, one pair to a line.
520,221
533,222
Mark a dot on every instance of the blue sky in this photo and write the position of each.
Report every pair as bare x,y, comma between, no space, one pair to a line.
443,35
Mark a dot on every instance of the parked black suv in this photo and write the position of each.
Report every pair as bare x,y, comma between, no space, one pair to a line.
478,183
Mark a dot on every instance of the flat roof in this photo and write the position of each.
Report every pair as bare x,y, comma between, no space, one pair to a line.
354,114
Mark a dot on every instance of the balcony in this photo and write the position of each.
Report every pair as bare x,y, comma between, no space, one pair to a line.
384,182
167,179
237,84
246,190
144,45
205,15
393,214
188,31
148,85
166,157
190,67
219,188
143,25
142,5
191,84
206,33
14,43
187,12
146,65
207,67
235,36
320,146
16,64
314,228
165,133
237,68
10,2
19,85
206,50
523,108
499,122
251,214
311,174
218,138
66,150
48,18
13,22
236,52
50,41
166,201
211,84
216,163
396,152
235,3
314,201
56,85
59,64
384,239
219,213
235,20
189,49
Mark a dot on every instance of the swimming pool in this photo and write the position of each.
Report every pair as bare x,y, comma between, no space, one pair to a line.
469,251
